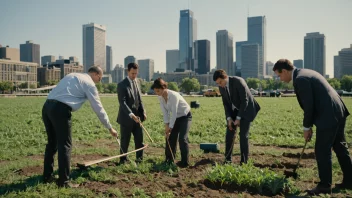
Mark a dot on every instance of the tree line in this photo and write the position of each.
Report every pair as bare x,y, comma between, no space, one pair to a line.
192,85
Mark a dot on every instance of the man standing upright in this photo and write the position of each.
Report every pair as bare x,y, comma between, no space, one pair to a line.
131,112
240,110
324,108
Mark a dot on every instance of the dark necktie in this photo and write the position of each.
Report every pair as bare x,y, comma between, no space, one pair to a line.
228,93
135,90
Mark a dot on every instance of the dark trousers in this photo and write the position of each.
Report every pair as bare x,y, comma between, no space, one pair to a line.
325,140
180,132
244,145
126,131
57,120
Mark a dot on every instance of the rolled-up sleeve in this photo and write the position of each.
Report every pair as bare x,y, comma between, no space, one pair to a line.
95,103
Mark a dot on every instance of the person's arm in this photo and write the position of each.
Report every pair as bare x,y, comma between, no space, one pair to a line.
305,92
174,101
94,100
121,95
241,86
166,117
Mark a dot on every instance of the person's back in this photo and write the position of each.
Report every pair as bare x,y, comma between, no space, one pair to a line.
327,102
71,90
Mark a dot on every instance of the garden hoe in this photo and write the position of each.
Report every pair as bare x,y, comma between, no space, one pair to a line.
168,143
140,123
294,174
233,141
132,162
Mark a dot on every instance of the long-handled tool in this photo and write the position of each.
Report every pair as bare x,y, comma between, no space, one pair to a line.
233,143
140,123
172,154
88,163
294,174
132,162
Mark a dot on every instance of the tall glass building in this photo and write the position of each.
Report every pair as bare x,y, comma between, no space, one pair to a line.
187,36
94,47
257,34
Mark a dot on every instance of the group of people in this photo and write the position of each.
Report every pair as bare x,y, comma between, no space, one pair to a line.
321,104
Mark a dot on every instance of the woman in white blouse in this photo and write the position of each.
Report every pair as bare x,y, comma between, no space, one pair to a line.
177,119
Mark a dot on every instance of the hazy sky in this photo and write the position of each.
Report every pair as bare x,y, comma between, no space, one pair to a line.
147,28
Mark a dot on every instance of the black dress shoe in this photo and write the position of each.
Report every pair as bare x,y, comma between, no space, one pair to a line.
344,185
50,179
227,161
319,190
182,164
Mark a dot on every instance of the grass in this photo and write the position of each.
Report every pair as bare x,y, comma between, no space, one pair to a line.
23,139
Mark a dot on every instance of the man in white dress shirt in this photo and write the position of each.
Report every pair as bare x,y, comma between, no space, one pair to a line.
69,95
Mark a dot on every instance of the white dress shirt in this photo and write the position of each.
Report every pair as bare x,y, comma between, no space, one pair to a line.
176,105
74,89
233,106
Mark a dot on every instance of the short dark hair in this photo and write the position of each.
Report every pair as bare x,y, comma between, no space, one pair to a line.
220,73
283,64
132,66
95,69
159,84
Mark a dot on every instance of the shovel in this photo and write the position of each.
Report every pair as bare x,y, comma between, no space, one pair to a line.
294,174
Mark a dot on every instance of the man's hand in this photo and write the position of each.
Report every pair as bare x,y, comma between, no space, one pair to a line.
308,134
167,131
237,123
135,118
145,116
113,132
229,124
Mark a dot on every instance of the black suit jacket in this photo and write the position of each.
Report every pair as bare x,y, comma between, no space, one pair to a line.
321,104
241,97
126,100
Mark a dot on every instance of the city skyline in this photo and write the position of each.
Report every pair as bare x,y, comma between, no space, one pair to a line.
154,29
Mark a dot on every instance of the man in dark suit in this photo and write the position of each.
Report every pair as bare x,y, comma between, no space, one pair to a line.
240,110
131,112
324,108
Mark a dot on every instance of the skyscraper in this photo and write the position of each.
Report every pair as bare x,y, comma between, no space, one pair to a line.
30,52
171,60
337,67
146,69
48,59
345,56
314,52
269,68
128,60
202,56
224,51
108,59
239,54
257,34
118,74
298,63
250,60
94,47
187,36
9,53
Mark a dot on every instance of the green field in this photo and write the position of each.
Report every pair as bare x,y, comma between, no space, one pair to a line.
23,139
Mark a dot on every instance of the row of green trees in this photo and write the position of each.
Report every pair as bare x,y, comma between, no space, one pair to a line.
192,85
